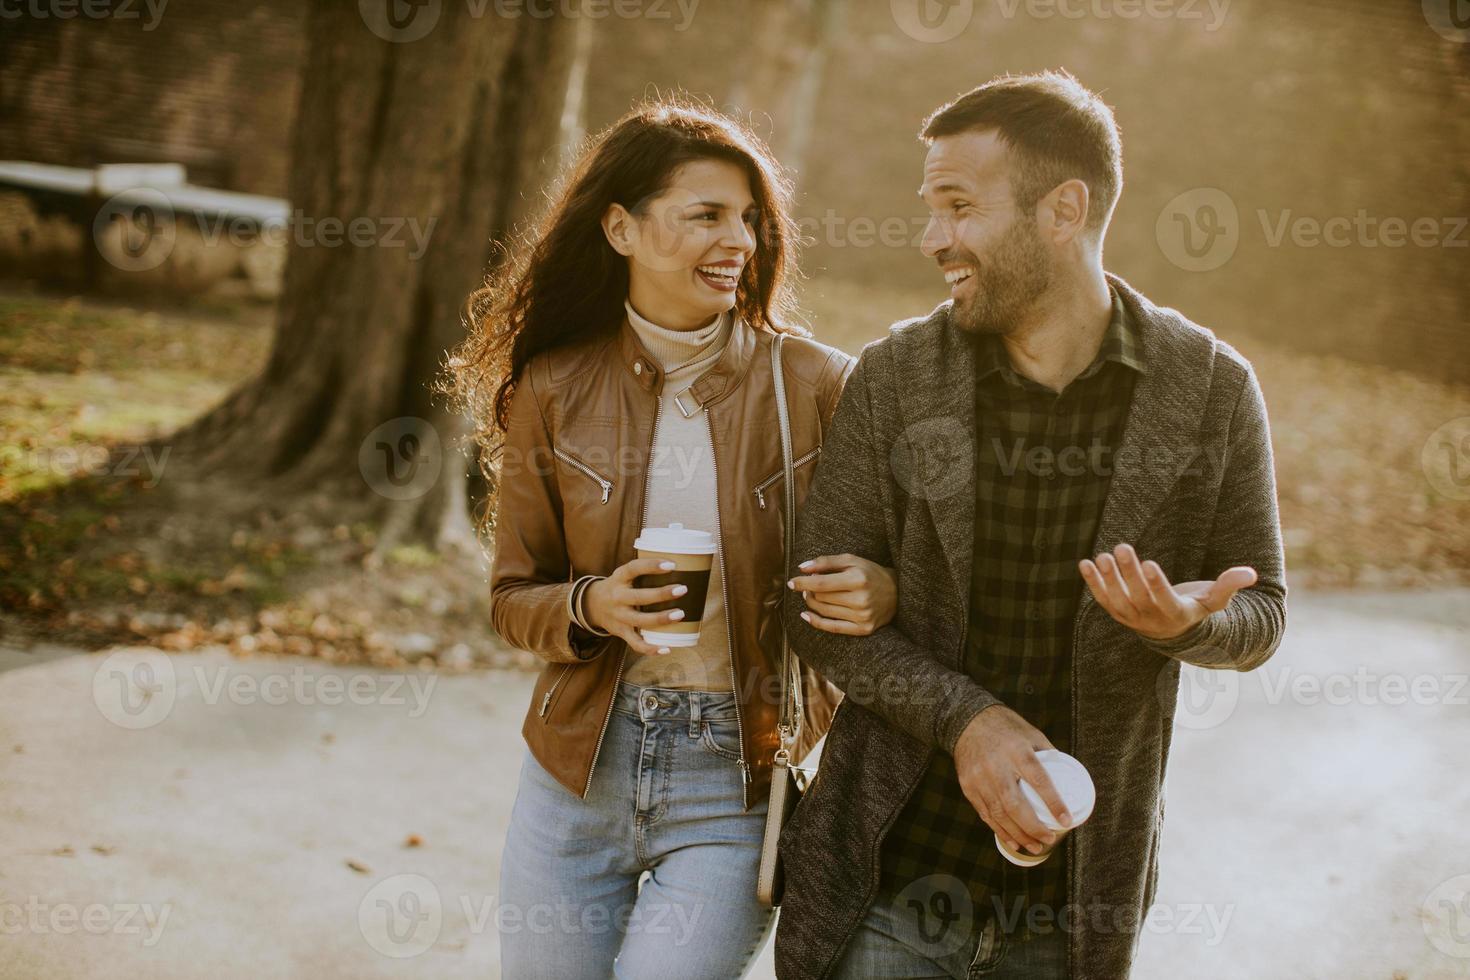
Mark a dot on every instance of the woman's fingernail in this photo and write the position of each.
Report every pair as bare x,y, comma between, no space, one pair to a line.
667,566
807,616
680,589
806,564
676,614
663,649
791,584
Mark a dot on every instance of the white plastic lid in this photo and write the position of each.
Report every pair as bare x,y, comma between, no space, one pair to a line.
676,539
1073,784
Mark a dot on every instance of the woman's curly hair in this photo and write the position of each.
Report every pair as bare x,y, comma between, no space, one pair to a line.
563,282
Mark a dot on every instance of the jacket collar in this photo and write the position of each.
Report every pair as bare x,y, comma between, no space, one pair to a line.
715,383
935,367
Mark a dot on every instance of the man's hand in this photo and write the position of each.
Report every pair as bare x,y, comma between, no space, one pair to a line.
995,752
847,594
1140,597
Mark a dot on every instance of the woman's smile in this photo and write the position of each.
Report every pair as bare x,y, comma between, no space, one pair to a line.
720,276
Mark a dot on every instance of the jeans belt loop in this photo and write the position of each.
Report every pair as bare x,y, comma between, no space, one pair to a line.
694,720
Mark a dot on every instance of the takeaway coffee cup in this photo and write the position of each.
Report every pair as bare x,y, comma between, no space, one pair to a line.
1078,794
693,555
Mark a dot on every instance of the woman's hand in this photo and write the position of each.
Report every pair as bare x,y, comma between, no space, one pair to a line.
847,594
611,604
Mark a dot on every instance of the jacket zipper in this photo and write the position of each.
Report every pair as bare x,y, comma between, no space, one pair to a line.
729,630
658,405
578,464
546,698
764,485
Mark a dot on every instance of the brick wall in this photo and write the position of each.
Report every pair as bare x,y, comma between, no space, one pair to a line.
212,84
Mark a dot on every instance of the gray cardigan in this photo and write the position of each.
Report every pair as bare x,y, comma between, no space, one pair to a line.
1193,488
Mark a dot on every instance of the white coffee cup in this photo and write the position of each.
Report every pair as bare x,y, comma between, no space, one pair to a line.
693,555
1078,794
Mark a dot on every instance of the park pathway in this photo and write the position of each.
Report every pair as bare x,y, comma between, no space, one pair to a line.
197,815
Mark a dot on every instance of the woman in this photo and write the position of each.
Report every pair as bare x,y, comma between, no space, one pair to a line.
619,370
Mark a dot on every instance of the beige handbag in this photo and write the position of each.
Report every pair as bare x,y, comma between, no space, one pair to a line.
787,781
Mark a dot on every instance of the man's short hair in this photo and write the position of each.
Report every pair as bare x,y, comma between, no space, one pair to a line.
1055,130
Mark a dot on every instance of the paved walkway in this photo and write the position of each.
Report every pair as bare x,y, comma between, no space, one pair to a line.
196,815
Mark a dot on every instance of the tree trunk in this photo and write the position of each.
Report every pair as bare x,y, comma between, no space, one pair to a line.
442,137
776,88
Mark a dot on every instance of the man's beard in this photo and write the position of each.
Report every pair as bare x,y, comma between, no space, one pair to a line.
1005,289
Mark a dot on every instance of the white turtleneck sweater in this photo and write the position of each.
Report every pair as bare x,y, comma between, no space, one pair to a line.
681,487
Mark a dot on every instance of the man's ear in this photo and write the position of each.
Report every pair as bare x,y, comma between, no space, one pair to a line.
1064,211
617,225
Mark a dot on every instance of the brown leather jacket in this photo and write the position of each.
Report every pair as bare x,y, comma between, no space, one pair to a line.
580,433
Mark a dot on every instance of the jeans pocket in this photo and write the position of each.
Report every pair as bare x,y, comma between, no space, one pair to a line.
722,738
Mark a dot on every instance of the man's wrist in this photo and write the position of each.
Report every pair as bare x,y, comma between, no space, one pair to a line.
949,735
1193,636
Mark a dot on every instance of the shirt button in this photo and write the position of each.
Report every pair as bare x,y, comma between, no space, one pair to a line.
637,367
1030,688
1033,612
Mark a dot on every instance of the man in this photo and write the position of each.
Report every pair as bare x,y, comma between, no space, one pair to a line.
1046,428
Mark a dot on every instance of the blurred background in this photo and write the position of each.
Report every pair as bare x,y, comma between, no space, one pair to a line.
235,238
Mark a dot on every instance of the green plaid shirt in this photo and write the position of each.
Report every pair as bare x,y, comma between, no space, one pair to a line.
1042,467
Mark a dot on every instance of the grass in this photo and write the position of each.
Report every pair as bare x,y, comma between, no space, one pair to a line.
77,376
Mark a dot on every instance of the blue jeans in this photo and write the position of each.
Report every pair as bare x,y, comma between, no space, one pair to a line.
665,800
928,931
